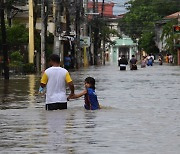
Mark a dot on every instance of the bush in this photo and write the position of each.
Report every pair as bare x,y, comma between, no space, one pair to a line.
29,68
16,57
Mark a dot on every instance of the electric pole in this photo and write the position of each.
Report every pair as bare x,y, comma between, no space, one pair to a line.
78,23
57,26
85,47
96,32
104,48
44,17
4,43
31,31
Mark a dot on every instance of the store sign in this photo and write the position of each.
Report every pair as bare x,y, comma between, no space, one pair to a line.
85,41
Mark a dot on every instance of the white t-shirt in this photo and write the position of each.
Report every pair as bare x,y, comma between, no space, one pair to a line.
55,79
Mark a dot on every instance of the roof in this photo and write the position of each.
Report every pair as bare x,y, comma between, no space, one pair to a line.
168,18
124,42
173,16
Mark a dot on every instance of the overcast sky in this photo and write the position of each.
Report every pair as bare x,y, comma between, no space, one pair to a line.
118,7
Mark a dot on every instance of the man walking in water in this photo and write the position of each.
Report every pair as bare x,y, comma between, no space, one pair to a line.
123,62
55,79
133,63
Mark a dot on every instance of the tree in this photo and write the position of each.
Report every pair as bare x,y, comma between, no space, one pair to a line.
139,21
147,43
169,37
17,35
4,41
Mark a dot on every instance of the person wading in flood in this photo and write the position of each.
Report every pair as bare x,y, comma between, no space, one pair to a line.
123,62
133,63
90,97
55,79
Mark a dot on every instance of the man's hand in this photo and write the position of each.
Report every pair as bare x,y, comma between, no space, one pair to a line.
71,96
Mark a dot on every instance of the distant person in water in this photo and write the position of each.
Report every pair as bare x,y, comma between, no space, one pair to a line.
143,62
123,63
150,60
90,97
133,63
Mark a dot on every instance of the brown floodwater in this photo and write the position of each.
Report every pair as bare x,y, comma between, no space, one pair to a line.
140,114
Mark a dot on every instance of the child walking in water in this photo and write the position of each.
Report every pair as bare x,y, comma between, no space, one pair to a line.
90,97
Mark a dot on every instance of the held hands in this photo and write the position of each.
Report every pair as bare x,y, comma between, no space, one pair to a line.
71,96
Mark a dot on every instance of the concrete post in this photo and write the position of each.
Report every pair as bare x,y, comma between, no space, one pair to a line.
31,32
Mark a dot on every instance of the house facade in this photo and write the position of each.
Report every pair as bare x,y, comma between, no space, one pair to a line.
161,43
107,8
123,46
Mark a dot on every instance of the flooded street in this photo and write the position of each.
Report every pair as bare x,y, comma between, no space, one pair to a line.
140,114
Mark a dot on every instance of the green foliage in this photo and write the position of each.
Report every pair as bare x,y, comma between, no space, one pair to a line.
169,37
16,59
139,21
17,35
28,68
16,56
147,43
100,25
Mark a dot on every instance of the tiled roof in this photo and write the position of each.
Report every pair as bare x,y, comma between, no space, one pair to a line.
173,16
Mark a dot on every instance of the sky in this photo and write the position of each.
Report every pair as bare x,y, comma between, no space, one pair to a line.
118,7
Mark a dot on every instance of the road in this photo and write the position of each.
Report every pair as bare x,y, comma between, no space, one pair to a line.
140,114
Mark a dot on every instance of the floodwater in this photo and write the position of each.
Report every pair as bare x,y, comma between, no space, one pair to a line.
140,114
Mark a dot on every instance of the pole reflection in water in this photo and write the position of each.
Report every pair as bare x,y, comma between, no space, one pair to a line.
32,83
4,94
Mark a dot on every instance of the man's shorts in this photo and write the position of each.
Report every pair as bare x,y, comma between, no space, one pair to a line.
56,106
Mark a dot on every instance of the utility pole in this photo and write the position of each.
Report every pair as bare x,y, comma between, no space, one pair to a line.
96,32
85,32
31,31
78,23
57,26
178,52
44,17
104,48
4,43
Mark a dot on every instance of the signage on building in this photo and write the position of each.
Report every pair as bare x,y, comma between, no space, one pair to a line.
85,41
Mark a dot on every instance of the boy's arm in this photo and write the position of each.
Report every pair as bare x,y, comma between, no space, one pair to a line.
78,95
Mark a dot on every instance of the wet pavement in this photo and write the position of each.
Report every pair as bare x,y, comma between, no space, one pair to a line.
140,114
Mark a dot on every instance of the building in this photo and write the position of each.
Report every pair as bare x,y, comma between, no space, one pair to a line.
123,46
159,29
161,43
107,10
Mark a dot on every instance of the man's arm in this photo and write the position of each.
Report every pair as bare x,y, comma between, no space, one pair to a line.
43,83
71,87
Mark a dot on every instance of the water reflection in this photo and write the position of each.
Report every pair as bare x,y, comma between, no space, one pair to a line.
5,92
32,89
56,122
